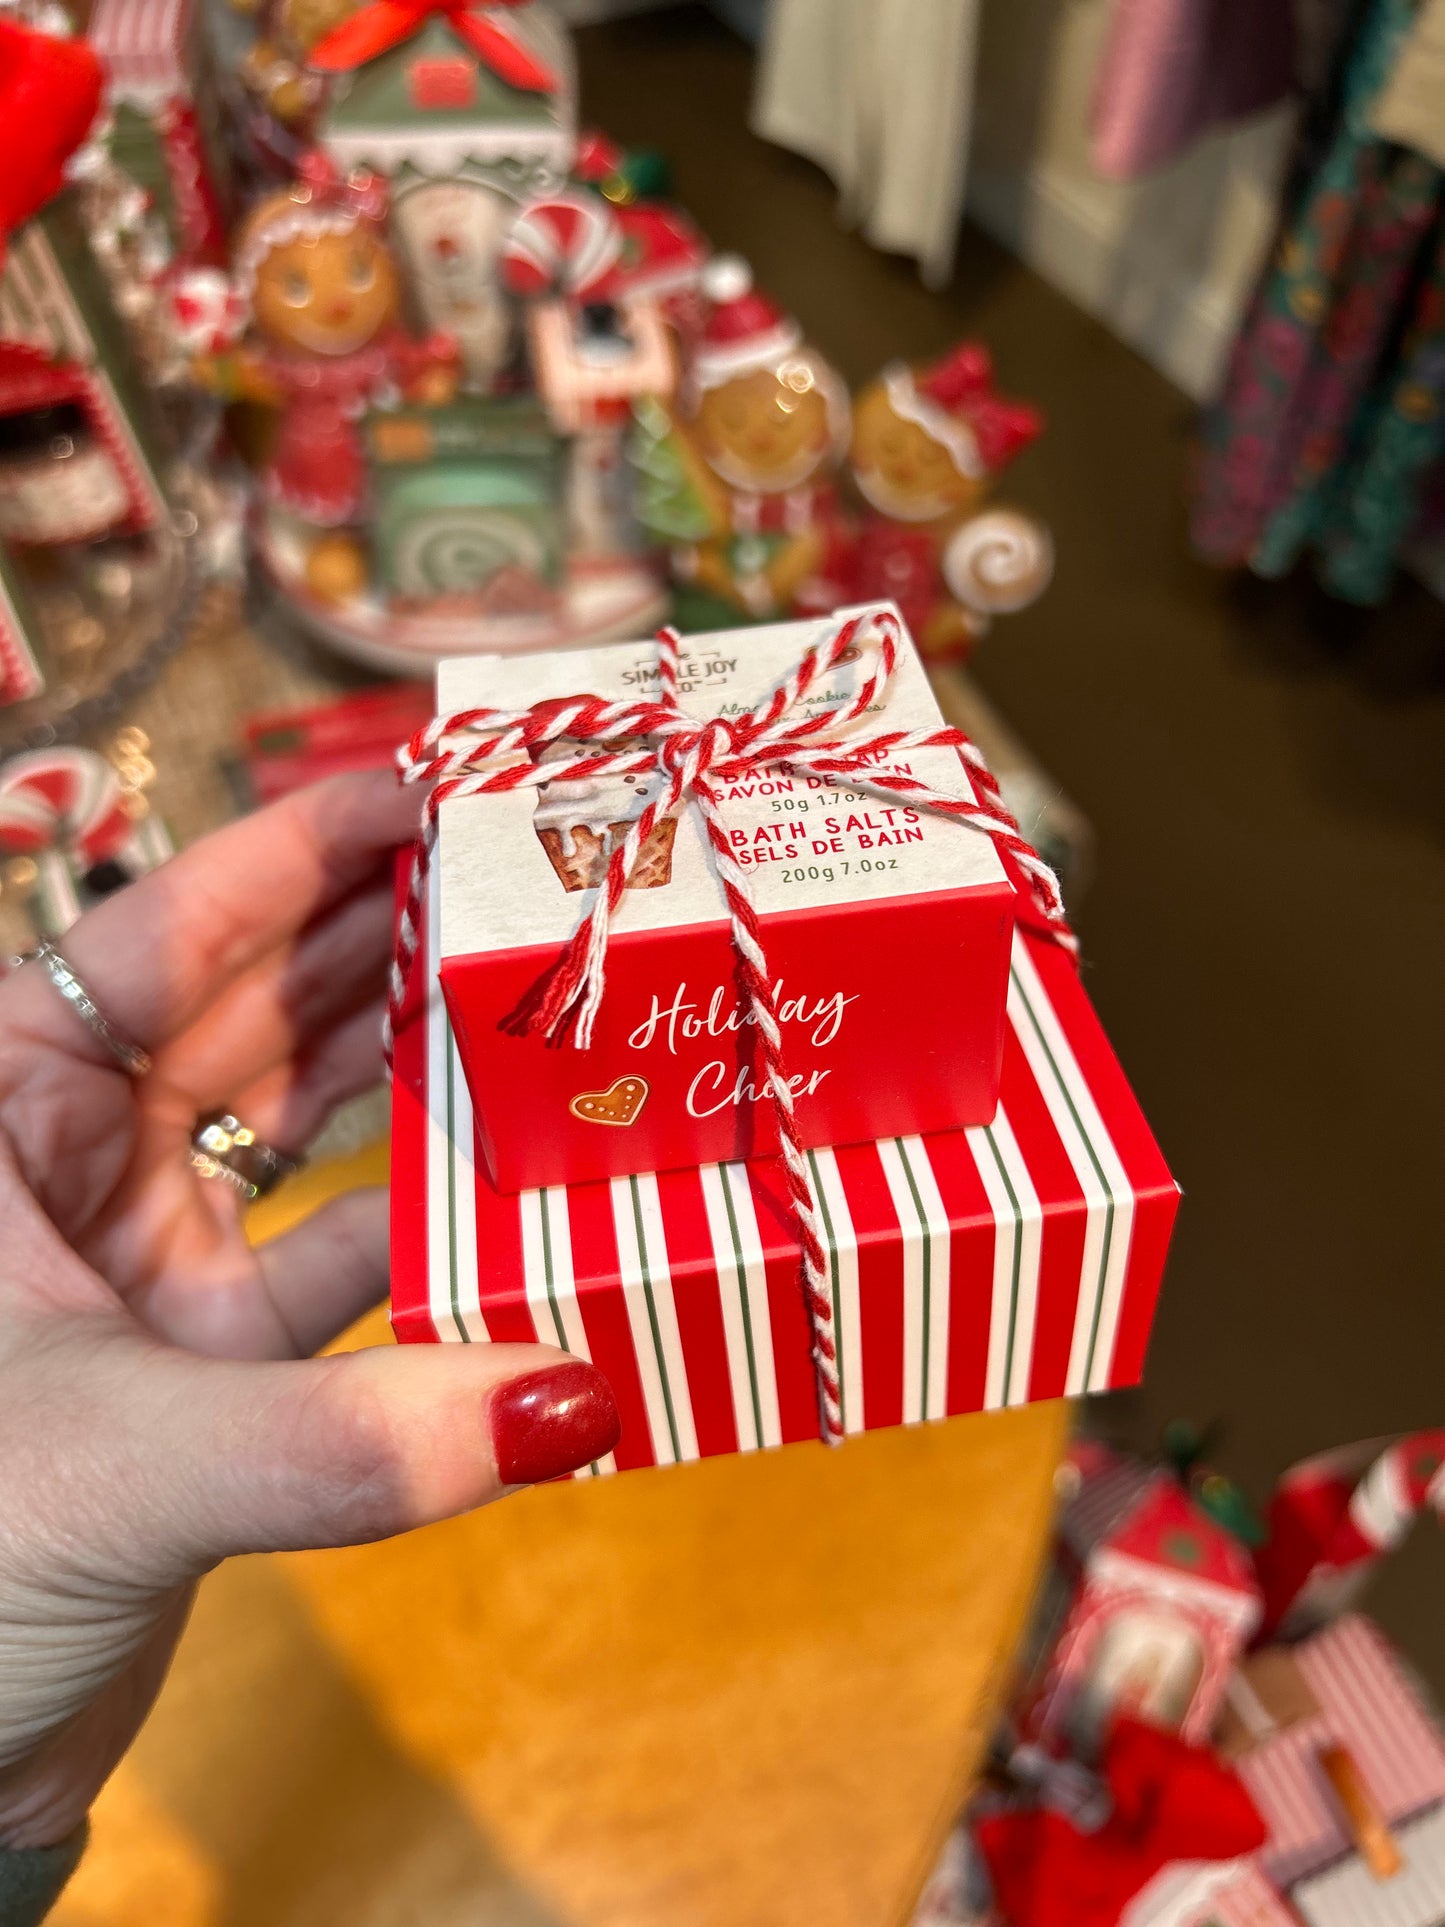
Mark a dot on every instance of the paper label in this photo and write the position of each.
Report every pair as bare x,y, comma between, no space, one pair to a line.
517,869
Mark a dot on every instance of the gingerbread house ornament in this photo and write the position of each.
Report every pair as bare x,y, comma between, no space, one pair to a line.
468,113
1153,1601
1346,1764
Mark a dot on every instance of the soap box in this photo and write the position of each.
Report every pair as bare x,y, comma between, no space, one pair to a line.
887,933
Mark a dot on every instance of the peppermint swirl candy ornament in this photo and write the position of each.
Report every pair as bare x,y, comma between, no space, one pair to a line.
999,562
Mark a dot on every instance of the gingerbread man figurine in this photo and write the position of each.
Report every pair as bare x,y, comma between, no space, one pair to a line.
750,453
928,446
324,296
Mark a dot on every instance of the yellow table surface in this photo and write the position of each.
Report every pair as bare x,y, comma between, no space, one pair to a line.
747,1692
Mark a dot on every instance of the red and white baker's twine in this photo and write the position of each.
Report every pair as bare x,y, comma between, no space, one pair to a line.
480,752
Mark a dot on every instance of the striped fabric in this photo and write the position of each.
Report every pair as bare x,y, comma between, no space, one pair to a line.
141,42
971,1270
1368,1708
1350,1896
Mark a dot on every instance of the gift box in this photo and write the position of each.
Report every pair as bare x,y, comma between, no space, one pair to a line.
886,930
969,1270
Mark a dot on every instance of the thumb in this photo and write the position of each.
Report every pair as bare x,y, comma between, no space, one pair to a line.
336,1451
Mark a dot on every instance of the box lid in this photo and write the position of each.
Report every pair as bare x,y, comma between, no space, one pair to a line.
497,890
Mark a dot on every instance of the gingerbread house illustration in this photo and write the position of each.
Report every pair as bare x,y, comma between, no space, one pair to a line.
1151,1604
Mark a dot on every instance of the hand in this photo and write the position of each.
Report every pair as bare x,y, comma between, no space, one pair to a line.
154,1413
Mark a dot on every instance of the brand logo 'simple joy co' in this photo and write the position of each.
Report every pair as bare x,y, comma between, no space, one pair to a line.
620,1104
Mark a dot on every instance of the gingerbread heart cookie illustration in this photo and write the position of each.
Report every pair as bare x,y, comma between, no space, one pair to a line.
620,1104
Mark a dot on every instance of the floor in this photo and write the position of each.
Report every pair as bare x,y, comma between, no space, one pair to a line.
1266,775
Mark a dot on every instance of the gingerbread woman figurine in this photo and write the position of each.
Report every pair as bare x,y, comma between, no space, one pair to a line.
744,468
323,293
928,446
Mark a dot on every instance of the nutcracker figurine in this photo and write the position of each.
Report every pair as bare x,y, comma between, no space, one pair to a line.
324,296
928,446
740,477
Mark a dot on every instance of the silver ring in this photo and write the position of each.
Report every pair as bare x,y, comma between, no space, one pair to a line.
123,1048
224,1148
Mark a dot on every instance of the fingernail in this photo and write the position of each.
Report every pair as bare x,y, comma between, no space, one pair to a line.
552,1421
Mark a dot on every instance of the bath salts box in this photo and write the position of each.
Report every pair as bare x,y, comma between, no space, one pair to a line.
1015,1261
887,932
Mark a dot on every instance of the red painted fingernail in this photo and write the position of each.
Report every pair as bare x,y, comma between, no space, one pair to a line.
552,1421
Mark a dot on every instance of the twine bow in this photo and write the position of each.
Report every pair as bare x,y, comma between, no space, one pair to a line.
485,30
480,752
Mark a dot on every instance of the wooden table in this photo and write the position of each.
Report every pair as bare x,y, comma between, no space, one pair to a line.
748,1693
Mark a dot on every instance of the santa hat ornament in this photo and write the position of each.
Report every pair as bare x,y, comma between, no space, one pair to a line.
956,403
745,333
50,93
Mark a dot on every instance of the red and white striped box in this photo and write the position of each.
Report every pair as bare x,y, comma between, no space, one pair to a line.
1010,1262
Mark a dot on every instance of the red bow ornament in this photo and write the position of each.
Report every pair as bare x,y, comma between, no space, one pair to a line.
1171,1801
487,30
49,94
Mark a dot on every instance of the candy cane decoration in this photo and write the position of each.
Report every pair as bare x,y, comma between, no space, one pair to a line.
66,799
565,244
476,753
1333,1518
